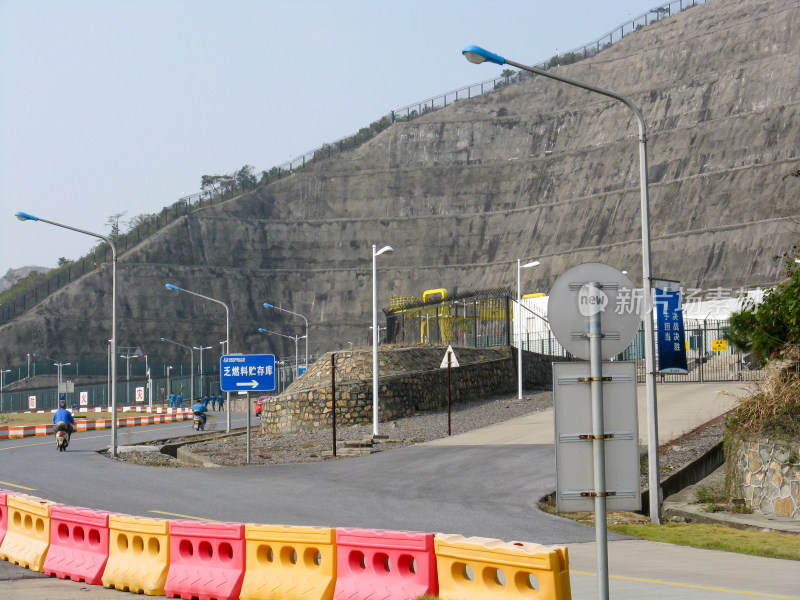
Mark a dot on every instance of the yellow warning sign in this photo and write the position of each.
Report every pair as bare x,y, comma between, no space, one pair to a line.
719,345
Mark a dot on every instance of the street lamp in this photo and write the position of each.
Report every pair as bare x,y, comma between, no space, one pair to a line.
169,381
201,348
375,255
26,217
59,365
291,337
2,379
534,263
268,305
170,286
191,351
128,357
478,55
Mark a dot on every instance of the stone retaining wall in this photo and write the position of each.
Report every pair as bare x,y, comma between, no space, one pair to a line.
410,380
766,473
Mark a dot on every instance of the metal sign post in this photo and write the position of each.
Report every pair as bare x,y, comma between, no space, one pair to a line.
585,320
449,361
246,372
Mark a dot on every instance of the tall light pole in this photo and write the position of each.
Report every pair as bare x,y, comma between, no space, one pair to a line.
169,381
2,379
478,55
59,365
375,255
291,337
26,217
268,305
191,351
201,348
534,263
128,358
170,286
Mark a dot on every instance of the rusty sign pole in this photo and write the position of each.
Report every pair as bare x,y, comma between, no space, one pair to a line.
333,399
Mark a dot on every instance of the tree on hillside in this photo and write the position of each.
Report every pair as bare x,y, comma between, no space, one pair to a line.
113,221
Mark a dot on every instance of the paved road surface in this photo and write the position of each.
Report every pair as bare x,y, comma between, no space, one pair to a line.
481,483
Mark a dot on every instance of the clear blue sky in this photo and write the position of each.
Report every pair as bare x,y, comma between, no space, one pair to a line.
112,106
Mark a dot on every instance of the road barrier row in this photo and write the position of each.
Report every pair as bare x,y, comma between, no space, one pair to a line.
230,561
23,431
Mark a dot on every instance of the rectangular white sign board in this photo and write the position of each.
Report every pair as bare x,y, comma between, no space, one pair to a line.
573,422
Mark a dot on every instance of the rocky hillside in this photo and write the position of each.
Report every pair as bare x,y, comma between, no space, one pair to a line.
535,170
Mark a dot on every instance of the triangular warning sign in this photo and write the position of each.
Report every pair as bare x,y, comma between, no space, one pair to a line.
453,359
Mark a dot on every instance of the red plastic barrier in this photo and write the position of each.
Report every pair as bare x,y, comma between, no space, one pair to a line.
374,564
78,544
206,560
3,514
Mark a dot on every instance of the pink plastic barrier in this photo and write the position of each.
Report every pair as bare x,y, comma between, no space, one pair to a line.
78,544
3,514
374,564
206,560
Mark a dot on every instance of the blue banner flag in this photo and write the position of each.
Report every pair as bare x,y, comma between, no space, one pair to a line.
671,336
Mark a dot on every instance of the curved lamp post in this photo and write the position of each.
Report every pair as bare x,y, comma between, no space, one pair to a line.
170,286
534,263
26,217
375,334
191,351
268,305
291,337
59,365
478,55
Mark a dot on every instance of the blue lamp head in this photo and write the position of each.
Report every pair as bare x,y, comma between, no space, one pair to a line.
169,286
25,217
164,340
262,330
36,355
268,305
477,55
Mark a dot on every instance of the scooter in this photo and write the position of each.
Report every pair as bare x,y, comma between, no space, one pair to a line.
198,421
62,437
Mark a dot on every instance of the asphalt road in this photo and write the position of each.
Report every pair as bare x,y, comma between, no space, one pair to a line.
484,490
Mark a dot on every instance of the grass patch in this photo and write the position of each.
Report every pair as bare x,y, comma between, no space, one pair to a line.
717,537
47,418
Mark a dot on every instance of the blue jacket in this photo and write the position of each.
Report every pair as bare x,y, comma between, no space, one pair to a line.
62,414
199,407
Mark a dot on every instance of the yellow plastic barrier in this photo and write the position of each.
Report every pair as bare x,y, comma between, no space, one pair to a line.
289,563
28,536
478,568
138,554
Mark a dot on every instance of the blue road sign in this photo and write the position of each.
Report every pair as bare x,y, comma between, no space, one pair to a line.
247,372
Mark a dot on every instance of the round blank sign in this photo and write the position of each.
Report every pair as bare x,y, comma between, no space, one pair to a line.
590,289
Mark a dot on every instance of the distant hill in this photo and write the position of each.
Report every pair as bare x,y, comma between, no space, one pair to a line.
535,169
14,275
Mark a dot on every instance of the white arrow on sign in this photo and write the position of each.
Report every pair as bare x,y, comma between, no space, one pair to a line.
251,384
453,359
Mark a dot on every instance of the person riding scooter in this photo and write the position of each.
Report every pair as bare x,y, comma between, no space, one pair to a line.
199,408
62,415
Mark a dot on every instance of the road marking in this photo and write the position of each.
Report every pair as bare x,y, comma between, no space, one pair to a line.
22,487
688,585
169,514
